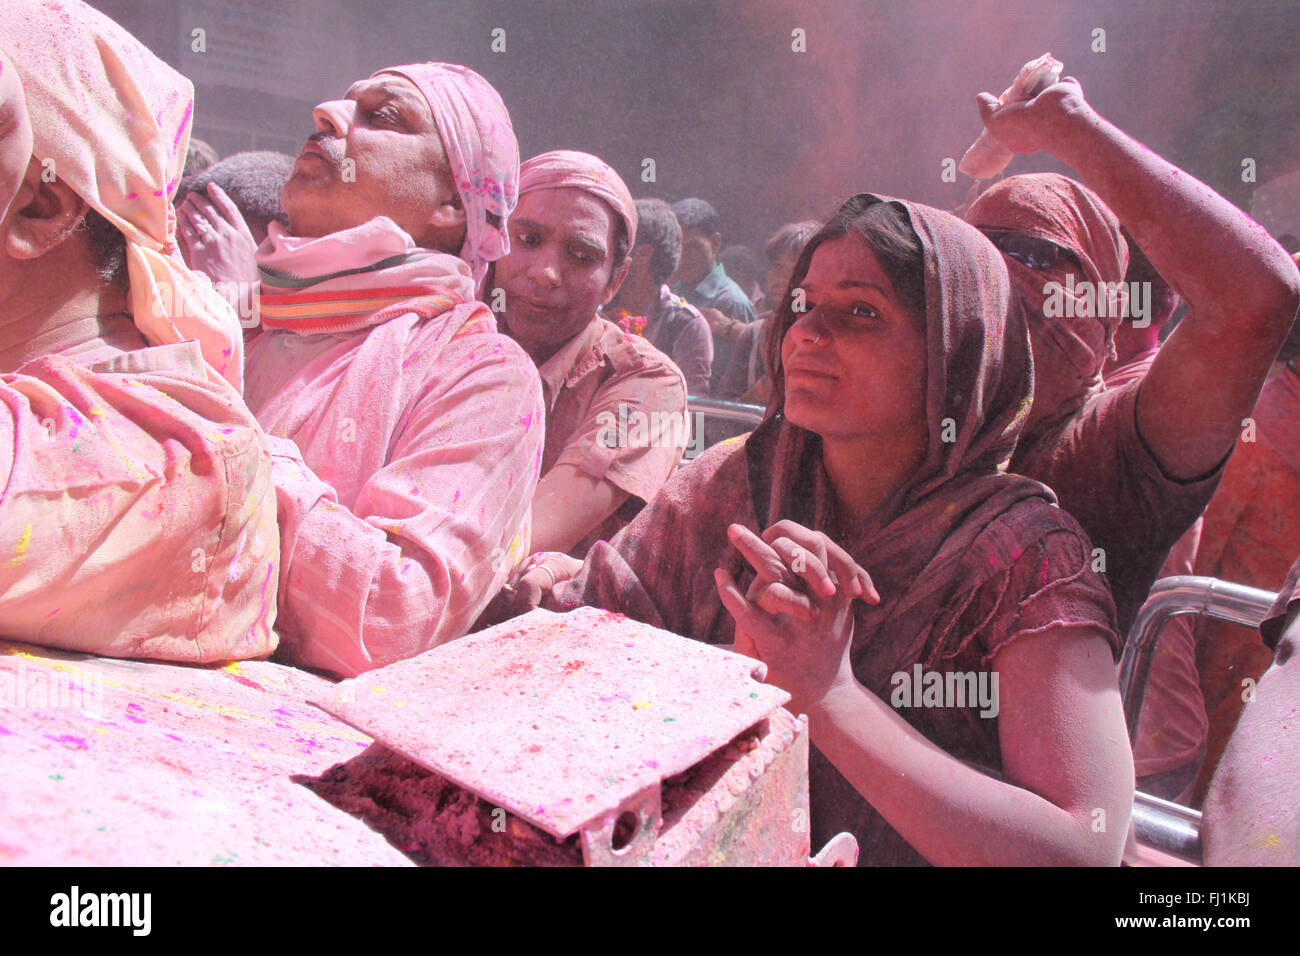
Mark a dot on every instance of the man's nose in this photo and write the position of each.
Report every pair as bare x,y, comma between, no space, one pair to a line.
335,117
543,269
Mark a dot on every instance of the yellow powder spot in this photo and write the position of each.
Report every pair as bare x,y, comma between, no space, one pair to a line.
1272,840
377,690
641,706
96,411
21,550
233,667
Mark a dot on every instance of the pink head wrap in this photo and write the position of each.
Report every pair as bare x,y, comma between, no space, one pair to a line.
567,168
1053,207
113,123
15,134
481,148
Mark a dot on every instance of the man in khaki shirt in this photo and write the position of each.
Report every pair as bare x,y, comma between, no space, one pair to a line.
616,418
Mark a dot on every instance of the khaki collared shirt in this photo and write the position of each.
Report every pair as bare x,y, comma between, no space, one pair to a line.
616,410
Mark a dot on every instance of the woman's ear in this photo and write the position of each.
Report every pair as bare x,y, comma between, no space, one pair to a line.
43,215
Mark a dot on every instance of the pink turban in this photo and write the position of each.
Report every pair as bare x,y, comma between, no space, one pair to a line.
481,148
15,134
113,123
561,168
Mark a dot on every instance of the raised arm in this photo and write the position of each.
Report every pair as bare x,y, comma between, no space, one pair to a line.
1242,288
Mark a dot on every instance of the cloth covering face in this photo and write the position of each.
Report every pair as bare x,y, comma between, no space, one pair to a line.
966,557
480,144
1053,207
114,123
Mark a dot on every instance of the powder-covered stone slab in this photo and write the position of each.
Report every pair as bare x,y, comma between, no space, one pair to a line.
559,718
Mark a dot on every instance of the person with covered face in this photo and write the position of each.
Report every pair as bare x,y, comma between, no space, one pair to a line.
412,427
616,422
138,515
1136,464
867,531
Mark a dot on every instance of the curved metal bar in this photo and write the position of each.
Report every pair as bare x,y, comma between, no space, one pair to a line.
1168,827
1184,594
726,411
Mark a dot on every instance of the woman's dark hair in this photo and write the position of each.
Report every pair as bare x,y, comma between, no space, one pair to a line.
107,248
888,233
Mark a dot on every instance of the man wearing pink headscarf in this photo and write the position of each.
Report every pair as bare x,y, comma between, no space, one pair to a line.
408,430
616,420
138,516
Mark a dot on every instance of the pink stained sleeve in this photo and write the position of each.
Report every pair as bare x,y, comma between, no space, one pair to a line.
137,517
434,532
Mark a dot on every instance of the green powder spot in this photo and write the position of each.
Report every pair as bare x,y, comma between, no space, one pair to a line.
670,720
56,776
754,694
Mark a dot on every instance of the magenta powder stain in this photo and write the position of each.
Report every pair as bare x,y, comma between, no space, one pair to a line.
76,743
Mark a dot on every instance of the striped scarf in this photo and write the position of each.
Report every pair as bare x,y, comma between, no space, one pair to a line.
354,279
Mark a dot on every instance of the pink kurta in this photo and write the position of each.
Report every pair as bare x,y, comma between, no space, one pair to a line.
423,436
137,518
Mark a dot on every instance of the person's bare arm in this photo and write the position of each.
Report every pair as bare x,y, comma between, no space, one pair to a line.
1068,790
1242,288
1251,816
570,503
1065,756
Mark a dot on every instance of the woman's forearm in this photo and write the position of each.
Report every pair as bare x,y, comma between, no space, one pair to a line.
951,813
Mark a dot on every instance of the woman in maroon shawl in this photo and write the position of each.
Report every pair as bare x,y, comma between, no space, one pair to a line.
898,396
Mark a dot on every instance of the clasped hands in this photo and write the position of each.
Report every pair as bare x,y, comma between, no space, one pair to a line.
797,615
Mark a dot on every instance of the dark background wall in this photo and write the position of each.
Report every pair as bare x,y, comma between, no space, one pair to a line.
713,92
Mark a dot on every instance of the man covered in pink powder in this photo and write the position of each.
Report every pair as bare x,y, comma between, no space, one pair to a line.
137,517
414,428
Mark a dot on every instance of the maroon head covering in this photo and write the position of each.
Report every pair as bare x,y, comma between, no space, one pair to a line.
1058,209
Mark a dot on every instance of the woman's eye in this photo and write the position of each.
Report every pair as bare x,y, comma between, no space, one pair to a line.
863,311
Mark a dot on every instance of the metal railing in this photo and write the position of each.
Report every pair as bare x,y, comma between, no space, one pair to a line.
1185,594
702,409
1162,825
